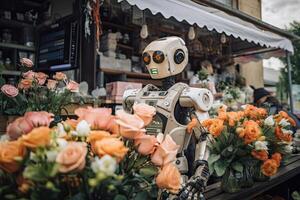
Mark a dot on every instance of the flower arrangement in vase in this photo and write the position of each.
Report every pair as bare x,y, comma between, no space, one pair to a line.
246,143
97,156
36,92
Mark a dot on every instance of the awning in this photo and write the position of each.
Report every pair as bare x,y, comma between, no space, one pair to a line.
214,20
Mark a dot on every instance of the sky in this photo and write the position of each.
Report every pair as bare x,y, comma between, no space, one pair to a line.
279,13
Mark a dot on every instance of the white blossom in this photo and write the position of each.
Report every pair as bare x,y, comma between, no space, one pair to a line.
51,155
4,138
288,148
62,143
284,122
106,164
261,145
83,128
285,131
61,130
269,121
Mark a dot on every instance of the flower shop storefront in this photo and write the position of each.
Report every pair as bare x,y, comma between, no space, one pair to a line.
100,153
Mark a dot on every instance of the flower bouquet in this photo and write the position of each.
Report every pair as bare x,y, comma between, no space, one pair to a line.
247,144
97,156
36,92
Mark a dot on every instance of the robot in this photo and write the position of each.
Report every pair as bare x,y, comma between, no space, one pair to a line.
179,108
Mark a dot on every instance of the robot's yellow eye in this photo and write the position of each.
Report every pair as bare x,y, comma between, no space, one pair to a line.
158,57
146,58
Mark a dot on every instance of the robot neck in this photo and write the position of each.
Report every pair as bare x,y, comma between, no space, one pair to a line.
168,82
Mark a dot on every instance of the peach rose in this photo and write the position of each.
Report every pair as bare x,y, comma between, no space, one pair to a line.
277,157
283,136
169,178
26,62
110,146
29,75
72,123
40,118
41,78
95,136
59,76
9,151
112,126
260,155
251,131
165,152
145,144
145,112
131,126
10,90
98,118
72,157
51,84
269,167
73,86
25,84
19,127
214,126
38,137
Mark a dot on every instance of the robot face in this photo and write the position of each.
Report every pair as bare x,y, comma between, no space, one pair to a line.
165,57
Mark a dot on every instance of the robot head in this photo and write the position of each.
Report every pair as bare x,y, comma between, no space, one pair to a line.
165,57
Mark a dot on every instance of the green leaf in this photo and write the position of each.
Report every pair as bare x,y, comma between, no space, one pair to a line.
148,171
213,158
220,167
237,166
141,196
120,197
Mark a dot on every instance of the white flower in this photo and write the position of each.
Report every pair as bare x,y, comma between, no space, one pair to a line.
288,148
285,131
261,145
83,128
269,121
61,130
4,138
284,122
62,143
51,155
106,164
244,106
33,157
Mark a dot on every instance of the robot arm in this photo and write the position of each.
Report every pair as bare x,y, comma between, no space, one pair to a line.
201,100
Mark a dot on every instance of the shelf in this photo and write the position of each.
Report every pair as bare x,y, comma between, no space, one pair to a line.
127,73
15,23
11,72
16,46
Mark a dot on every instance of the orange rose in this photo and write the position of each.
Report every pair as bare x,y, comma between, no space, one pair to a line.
72,157
19,127
260,155
98,118
59,76
269,167
250,132
110,146
145,144
214,126
145,112
41,77
73,86
254,113
95,136
169,178
25,84
71,122
222,115
277,157
283,115
283,136
131,126
51,84
9,151
37,137
165,152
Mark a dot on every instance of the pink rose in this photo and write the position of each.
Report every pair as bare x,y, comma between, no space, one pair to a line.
165,152
145,112
73,86
39,118
51,84
26,62
41,77
19,127
72,157
10,90
98,118
29,75
145,144
59,76
131,126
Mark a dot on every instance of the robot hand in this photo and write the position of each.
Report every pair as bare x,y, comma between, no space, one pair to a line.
194,187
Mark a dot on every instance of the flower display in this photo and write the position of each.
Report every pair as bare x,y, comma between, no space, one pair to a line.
9,90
